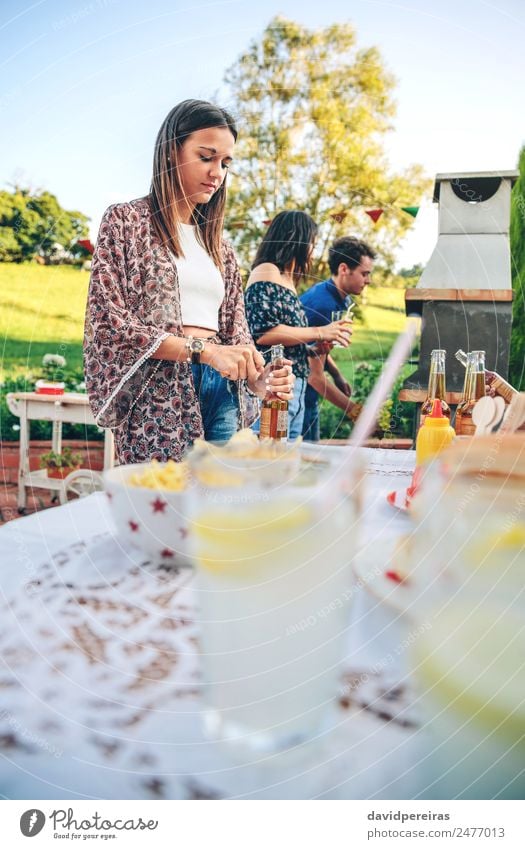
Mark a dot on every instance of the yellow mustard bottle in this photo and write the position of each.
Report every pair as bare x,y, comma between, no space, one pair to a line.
434,434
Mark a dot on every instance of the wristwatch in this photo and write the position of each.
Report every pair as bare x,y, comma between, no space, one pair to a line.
194,347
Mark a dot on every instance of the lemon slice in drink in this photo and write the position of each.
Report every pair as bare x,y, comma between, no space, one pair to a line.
235,538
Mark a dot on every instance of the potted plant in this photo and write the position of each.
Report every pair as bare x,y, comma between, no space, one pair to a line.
52,382
59,465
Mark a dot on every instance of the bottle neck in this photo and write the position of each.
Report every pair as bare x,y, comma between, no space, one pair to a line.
478,371
474,386
436,378
467,384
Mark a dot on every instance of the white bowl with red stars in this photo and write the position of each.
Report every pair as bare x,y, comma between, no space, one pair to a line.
152,520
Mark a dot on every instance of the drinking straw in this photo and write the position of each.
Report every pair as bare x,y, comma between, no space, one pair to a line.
398,355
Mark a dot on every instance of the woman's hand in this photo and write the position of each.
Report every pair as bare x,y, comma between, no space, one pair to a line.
235,362
280,381
338,332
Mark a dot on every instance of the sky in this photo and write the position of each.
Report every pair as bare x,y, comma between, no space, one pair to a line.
84,86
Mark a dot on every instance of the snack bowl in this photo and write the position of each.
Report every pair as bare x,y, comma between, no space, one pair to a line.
153,519
244,461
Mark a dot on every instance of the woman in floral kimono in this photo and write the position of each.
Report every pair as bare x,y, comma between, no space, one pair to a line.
168,353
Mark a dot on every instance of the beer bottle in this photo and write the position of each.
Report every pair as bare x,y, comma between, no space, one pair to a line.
436,385
274,412
494,380
473,389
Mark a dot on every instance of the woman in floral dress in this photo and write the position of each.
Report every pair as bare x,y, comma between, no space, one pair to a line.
168,352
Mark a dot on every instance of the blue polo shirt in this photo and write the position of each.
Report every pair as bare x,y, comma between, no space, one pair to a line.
321,300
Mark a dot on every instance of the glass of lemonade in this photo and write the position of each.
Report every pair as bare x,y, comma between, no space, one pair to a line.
274,585
340,315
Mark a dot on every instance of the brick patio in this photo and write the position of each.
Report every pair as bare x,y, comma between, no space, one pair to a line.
37,499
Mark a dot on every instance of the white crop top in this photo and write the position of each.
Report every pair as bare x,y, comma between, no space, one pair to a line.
200,282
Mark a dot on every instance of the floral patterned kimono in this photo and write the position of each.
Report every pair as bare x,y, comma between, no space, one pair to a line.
133,305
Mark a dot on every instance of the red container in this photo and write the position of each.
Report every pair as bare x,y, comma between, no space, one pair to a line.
44,387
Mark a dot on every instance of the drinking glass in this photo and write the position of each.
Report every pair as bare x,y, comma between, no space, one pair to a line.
339,315
274,585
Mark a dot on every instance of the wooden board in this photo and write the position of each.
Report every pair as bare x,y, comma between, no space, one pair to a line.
417,396
459,295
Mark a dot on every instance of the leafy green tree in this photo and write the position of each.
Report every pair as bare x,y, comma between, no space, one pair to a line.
34,223
313,112
517,247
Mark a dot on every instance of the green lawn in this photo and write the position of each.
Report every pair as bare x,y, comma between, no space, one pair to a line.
383,318
42,311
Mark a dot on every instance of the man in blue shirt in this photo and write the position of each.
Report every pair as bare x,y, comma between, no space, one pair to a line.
350,261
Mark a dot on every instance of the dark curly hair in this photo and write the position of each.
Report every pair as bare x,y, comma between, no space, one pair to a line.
350,250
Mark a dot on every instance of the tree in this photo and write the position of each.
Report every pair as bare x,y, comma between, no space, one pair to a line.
517,248
313,112
35,224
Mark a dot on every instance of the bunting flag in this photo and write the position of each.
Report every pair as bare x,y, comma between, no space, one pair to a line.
375,214
411,210
267,222
237,224
338,217
87,244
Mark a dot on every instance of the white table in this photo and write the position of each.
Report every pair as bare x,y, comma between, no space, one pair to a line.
100,674
70,407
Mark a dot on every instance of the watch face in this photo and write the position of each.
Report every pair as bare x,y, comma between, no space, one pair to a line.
197,346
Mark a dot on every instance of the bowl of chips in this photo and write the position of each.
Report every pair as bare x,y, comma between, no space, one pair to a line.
245,460
148,502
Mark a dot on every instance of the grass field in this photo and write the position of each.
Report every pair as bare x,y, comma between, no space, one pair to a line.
42,311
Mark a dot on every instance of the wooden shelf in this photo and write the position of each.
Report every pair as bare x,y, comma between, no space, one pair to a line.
418,396
40,480
459,295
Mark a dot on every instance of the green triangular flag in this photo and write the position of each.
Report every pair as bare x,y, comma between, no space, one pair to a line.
412,210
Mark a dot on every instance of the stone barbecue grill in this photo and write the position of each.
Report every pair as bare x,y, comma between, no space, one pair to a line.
465,292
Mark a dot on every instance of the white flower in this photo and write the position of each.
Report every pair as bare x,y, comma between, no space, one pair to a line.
53,360
16,427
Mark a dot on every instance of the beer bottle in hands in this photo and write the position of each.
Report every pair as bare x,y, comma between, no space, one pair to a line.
274,412
473,389
496,383
436,385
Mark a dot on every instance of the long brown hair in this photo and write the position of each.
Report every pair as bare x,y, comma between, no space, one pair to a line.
186,118
289,238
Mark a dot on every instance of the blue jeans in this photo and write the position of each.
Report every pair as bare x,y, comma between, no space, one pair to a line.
311,424
295,410
218,404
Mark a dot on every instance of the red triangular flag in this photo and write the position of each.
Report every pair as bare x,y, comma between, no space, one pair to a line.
375,214
87,244
267,222
338,217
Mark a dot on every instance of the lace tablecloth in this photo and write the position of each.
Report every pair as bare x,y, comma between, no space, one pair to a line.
99,675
